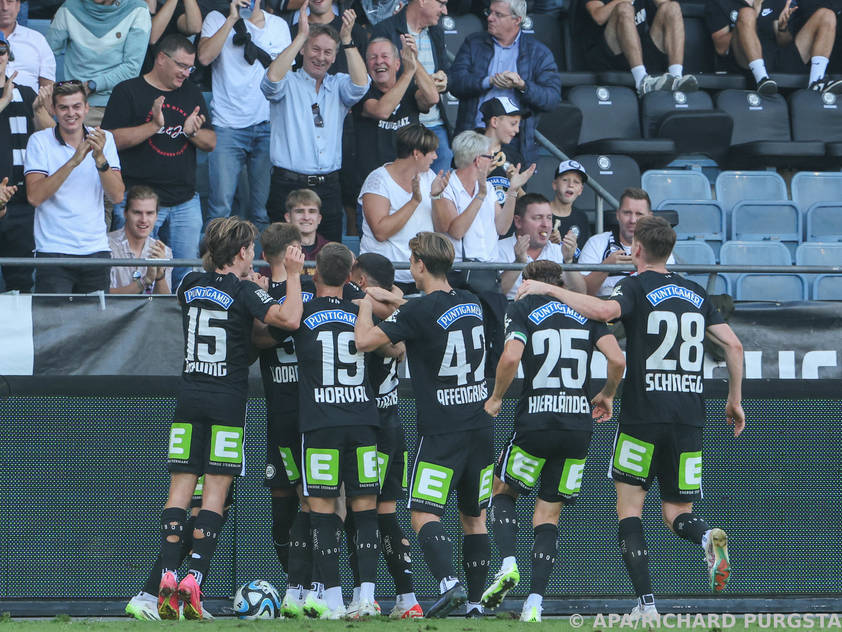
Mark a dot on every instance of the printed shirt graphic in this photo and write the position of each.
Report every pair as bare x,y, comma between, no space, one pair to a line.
218,313
665,317
445,348
558,345
334,388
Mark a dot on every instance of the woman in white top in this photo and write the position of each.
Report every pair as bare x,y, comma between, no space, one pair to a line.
395,200
467,209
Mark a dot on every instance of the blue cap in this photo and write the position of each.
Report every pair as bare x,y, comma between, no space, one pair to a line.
5,43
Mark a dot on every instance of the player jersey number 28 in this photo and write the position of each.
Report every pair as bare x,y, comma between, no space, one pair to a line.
691,330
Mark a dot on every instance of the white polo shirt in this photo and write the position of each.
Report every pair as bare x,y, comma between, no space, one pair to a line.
33,57
506,254
480,241
596,249
71,222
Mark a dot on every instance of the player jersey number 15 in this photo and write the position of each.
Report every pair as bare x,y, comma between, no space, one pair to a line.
199,329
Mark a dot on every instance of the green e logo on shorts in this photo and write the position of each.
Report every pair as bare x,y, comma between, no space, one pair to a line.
404,483
322,467
289,464
226,444
180,438
432,483
382,466
633,456
367,470
524,467
690,470
486,483
571,477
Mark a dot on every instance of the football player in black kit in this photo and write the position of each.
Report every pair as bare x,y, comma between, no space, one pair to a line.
206,437
553,425
660,431
445,346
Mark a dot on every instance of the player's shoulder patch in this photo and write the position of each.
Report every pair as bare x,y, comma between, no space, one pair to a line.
263,295
393,317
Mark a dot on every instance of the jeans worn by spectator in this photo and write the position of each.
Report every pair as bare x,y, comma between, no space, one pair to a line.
235,147
17,240
182,232
72,280
444,153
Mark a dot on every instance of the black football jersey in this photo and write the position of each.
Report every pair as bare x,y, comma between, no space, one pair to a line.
558,345
445,348
218,313
334,389
383,373
665,317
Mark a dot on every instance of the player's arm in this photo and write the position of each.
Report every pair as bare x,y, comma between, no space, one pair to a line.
367,335
261,337
397,350
723,336
602,406
506,371
591,307
383,301
288,315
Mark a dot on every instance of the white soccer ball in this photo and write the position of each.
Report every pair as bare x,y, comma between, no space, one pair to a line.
257,600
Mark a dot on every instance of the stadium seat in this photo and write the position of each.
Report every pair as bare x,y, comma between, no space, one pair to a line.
611,125
824,222
451,107
809,187
457,28
688,119
542,180
683,184
547,30
771,287
561,126
615,173
702,221
762,221
39,25
738,186
819,253
693,252
698,46
827,287
721,284
352,242
817,116
761,134
754,253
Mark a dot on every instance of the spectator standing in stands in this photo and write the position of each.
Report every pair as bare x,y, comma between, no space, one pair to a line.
533,221
502,119
304,211
239,50
68,169
329,13
778,36
314,104
171,16
623,36
32,58
505,62
159,120
104,42
568,186
395,200
21,114
389,105
420,19
135,241
613,247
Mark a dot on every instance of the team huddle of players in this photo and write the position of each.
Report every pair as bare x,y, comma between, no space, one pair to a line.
336,447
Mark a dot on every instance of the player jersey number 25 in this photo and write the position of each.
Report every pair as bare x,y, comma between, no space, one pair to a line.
341,362
690,327
455,361
558,345
205,341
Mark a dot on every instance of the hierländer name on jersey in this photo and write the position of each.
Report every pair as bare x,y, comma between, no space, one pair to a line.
462,394
560,403
674,383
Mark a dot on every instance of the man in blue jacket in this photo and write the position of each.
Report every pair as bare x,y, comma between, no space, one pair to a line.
505,62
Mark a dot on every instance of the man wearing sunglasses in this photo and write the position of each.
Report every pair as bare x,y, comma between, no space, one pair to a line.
159,120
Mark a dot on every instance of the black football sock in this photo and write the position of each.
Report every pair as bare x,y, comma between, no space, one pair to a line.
284,510
396,551
476,549
367,543
153,581
690,527
209,524
325,548
438,550
544,552
351,539
504,524
172,524
635,554
301,551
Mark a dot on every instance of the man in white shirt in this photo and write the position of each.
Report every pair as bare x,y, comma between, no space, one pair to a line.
614,246
238,51
31,55
533,224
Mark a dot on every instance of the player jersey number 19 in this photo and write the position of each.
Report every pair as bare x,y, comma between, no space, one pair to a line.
690,353
343,349
199,326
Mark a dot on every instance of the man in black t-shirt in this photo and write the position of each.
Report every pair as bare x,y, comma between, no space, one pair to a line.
773,34
660,432
159,120
552,425
445,345
218,312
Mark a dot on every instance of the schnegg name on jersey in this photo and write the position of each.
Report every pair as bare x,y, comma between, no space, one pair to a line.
674,383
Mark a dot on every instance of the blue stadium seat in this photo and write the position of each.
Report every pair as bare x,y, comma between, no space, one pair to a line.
771,287
675,184
721,284
758,253
352,242
824,222
809,187
693,252
39,25
827,287
762,221
613,172
699,220
739,186
819,254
